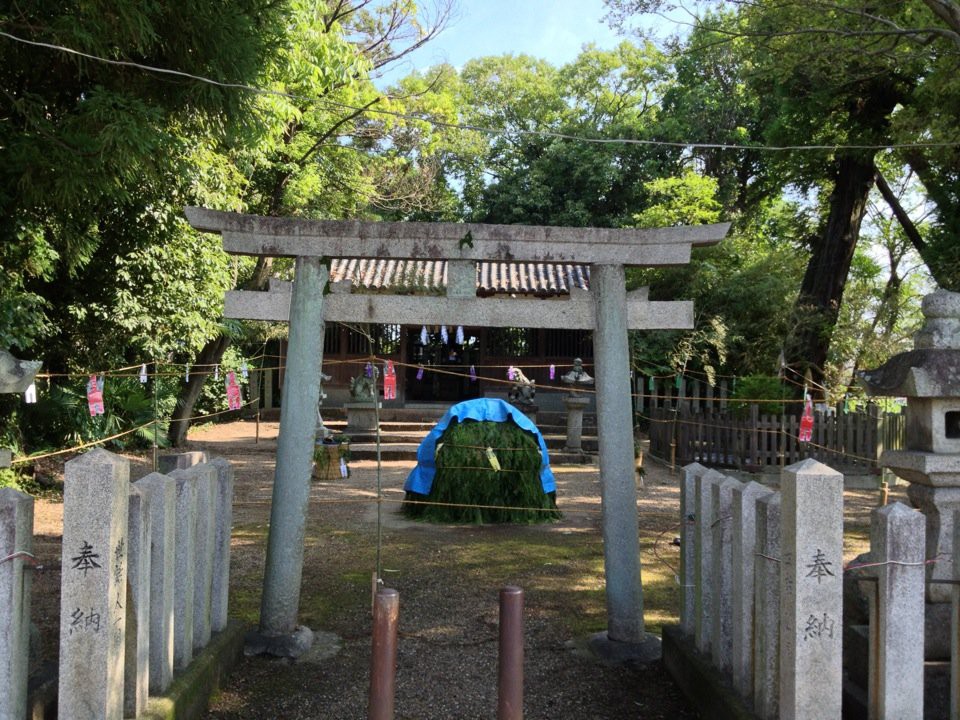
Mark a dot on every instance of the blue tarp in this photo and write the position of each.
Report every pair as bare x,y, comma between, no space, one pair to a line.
420,479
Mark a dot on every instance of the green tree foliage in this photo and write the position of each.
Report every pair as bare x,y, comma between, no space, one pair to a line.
531,106
833,74
469,489
86,143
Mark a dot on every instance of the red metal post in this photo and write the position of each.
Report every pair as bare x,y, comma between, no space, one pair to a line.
383,658
510,680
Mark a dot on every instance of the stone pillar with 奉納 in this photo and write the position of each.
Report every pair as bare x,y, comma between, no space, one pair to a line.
93,585
16,552
811,582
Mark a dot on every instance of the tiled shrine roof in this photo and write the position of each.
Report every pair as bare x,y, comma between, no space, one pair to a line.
514,278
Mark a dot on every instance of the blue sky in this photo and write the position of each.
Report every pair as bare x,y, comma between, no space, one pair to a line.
554,30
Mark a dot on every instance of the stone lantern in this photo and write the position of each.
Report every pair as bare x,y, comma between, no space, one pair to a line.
929,377
575,404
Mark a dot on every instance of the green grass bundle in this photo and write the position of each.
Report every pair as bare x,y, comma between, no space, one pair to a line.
466,476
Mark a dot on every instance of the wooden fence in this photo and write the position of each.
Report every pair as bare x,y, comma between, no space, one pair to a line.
852,441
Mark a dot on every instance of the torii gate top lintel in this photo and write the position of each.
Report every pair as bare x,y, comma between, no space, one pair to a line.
292,237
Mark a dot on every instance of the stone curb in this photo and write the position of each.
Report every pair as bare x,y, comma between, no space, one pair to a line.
189,694
704,687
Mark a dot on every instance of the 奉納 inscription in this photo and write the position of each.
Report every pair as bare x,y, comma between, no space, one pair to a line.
86,560
818,627
79,621
820,567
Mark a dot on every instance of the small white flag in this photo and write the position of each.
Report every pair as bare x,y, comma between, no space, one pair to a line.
143,373
344,472
216,372
443,334
459,334
243,368
30,394
424,338
186,377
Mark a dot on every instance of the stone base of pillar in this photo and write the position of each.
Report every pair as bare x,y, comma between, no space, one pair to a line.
289,645
361,417
616,652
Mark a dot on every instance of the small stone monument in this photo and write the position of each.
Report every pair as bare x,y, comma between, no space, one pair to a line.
575,403
364,403
523,391
929,377
15,377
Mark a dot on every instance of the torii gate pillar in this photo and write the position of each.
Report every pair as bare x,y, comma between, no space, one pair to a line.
621,542
298,425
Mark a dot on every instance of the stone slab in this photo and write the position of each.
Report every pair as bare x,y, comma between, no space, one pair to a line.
206,478
897,537
766,648
743,551
721,620
136,675
161,493
184,555
220,590
703,565
16,535
6,457
688,553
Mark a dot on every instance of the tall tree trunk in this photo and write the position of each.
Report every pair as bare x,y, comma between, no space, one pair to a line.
211,354
821,293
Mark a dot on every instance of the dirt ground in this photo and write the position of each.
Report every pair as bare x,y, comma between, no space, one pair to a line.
448,578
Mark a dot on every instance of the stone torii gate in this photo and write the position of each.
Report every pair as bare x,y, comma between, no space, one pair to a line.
607,309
